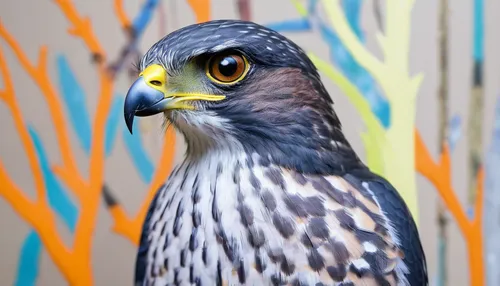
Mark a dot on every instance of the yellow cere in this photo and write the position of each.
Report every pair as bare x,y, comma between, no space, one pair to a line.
155,77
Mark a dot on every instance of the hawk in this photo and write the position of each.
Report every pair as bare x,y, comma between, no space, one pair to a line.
270,192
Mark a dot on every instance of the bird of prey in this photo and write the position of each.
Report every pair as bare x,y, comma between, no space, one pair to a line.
270,192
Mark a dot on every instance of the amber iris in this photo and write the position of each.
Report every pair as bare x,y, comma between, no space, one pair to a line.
227,68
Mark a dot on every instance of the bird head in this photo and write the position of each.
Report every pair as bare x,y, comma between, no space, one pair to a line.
237,84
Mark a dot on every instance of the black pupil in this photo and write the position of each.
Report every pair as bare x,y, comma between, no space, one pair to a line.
228,66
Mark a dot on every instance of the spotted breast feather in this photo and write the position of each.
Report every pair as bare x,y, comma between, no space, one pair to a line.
266,225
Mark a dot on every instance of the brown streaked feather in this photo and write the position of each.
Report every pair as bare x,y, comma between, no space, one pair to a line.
351,232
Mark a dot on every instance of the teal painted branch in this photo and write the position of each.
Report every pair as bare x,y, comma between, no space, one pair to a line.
65,208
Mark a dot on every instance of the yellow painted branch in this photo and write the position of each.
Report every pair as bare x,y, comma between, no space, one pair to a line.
401,91
396,43
399,88
300,7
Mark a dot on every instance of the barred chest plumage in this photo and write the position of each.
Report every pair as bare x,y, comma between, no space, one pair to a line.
229,220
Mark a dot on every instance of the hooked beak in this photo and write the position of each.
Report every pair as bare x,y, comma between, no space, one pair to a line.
149,95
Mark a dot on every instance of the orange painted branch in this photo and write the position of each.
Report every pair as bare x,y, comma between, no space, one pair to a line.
201,9
439,173
19,202
40,217
8,96
162,170
475,237
124,225
81,27
40,75
38,214
131,227
90,200
72,181
122,16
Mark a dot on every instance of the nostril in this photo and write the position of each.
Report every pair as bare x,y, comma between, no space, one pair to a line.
155,82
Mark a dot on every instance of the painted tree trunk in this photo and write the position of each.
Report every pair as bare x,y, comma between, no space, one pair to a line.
443,116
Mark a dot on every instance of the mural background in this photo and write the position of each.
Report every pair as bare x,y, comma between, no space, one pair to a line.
97,215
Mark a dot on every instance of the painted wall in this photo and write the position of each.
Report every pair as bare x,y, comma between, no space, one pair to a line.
74,185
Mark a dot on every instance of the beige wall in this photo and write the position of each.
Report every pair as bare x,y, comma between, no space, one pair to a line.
36,23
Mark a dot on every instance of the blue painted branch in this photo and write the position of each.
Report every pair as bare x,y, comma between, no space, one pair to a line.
29,259
27,271
114,119
74,99
142,19
73,96
295,25
138,154
478,30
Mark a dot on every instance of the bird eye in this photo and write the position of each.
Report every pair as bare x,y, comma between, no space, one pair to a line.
227,69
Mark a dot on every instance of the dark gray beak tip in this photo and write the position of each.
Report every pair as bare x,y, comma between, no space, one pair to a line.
129,120
141,100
